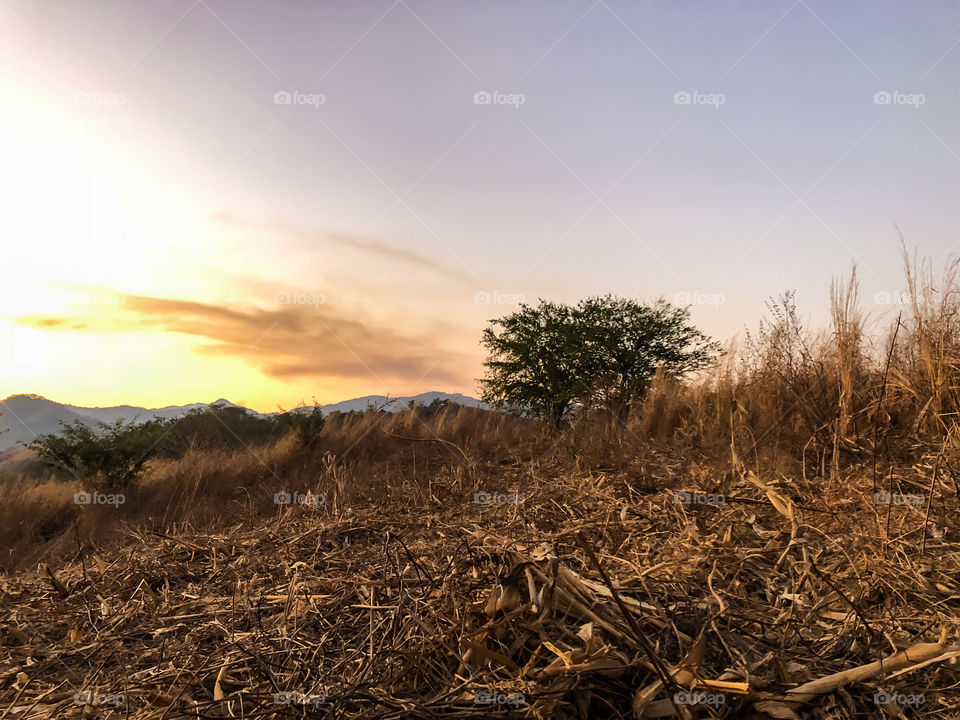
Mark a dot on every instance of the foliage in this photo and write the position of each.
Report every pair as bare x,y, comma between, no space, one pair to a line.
306,424
214,427
601,353
105,460
533,365
436,407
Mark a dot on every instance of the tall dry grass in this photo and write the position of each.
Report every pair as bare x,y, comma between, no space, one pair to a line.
373,456
787,401
827,401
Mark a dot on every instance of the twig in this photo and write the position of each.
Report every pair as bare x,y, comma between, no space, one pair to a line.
665,677
933,482
883,392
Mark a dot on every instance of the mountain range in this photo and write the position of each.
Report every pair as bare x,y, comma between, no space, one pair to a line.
24,417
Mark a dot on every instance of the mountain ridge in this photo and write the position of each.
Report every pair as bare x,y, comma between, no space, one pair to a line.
25,416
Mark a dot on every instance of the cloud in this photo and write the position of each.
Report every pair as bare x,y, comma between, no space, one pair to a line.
286,342
346,240
59,323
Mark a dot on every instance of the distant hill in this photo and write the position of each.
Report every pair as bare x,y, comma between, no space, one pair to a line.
384,403
26,416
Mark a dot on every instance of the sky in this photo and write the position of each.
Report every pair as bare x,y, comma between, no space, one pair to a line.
275,202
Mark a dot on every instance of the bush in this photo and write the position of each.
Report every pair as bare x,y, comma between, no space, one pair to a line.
103,461
218,428
306,424
601,353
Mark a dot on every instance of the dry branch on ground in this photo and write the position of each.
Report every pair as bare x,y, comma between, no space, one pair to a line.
587,598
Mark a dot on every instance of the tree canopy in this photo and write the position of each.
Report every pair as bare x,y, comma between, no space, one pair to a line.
602,352
107,459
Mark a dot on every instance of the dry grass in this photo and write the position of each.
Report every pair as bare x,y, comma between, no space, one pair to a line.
598,595
401,597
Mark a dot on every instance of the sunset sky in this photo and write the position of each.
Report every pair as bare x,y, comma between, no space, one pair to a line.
275,201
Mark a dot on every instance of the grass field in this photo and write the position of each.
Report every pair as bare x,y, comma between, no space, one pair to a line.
776,538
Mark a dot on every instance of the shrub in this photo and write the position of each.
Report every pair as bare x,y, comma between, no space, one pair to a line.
601,353
103,461
306,424
218,428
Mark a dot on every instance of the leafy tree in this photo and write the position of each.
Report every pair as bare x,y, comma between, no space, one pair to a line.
306,424
533,364
107,460
213,428
625,342
601,352
436,406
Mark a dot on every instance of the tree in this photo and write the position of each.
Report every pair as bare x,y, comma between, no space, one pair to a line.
602,352
307,425
107,460
533,365
214,427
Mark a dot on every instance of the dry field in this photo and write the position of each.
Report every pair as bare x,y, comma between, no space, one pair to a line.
779,539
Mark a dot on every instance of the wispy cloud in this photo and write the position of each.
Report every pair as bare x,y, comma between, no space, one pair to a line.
344,240
289,341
